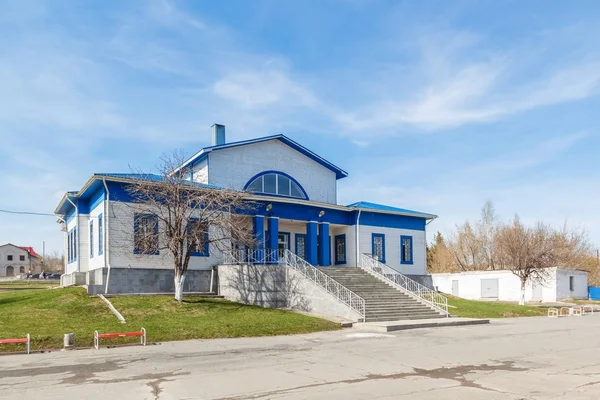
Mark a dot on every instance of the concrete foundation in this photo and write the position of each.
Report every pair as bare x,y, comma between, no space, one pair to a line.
142,280
275,286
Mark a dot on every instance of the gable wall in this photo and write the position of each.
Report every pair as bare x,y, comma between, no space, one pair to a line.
234,167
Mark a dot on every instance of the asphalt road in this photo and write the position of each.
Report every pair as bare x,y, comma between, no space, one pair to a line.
531,358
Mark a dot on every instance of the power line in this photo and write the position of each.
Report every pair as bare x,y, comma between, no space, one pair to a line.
26,213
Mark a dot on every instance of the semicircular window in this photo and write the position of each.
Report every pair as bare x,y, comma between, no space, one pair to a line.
276,183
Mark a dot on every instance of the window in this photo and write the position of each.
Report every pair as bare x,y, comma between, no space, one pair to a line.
145,234
100,235
21,258
91,239
340,249
406,255
572,283
75,243
198,238
277,183
21,269
301,245
378,246
9,257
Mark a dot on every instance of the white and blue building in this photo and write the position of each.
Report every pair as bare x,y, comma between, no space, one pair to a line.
297,209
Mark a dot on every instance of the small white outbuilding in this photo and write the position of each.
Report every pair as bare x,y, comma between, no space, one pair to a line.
561,284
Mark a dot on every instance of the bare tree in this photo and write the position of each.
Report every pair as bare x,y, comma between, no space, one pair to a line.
467,247
529,252
183,217
487,227
54,262
439,257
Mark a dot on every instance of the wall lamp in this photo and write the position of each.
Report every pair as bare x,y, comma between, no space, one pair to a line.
321,214
269,207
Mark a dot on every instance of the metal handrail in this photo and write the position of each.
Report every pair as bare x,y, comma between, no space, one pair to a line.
290,260
412,288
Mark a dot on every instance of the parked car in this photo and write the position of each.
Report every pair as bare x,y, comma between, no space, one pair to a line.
53,276
35,276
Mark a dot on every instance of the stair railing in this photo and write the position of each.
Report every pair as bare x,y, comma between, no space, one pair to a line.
412,288
290,260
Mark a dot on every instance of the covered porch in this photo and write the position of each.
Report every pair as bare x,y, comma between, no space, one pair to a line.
316,233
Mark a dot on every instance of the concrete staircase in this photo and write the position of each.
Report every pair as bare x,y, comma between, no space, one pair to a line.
383,302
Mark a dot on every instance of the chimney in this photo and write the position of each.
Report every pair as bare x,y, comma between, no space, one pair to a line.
218,134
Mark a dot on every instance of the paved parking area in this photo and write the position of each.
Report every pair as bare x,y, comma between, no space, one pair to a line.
530,358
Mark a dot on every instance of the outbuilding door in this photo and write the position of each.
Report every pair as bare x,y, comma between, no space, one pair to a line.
537,292
455,288
489,288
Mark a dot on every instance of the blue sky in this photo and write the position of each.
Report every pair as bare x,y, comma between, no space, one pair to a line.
435,106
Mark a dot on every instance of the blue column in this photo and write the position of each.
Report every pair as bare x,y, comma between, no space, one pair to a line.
311,242
272,239
324,245
258,227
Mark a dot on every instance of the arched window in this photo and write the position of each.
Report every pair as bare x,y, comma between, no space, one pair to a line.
21,270
10,271
277,183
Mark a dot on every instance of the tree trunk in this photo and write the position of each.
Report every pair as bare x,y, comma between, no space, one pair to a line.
522,296
179,281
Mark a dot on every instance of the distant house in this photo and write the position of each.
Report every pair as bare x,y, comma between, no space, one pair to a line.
17,260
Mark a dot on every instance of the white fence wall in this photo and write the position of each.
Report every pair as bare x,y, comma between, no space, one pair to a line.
233,168
554,288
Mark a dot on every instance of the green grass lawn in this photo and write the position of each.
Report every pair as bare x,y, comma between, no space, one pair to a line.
491,309
48,314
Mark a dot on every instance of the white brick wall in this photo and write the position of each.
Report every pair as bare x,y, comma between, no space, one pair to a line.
392,248
233,168
580,284
97,261
200,172
121,242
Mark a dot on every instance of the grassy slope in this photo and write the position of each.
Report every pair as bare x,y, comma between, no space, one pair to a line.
492,309
48,314
26,284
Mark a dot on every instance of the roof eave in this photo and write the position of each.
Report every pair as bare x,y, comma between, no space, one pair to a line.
406,214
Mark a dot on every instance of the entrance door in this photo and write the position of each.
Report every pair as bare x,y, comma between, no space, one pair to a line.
10,271
489,288
455,288
283,242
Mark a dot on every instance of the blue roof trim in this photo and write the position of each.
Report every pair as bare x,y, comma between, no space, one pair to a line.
82,197
339,173
381,207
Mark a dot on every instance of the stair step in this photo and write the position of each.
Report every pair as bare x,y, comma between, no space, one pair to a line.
383,301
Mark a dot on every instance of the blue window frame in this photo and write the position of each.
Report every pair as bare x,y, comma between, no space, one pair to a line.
92,239
378,246
145,234
340,249
301,245
406,249
276,183
100,235
69,246
198,249
75,244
